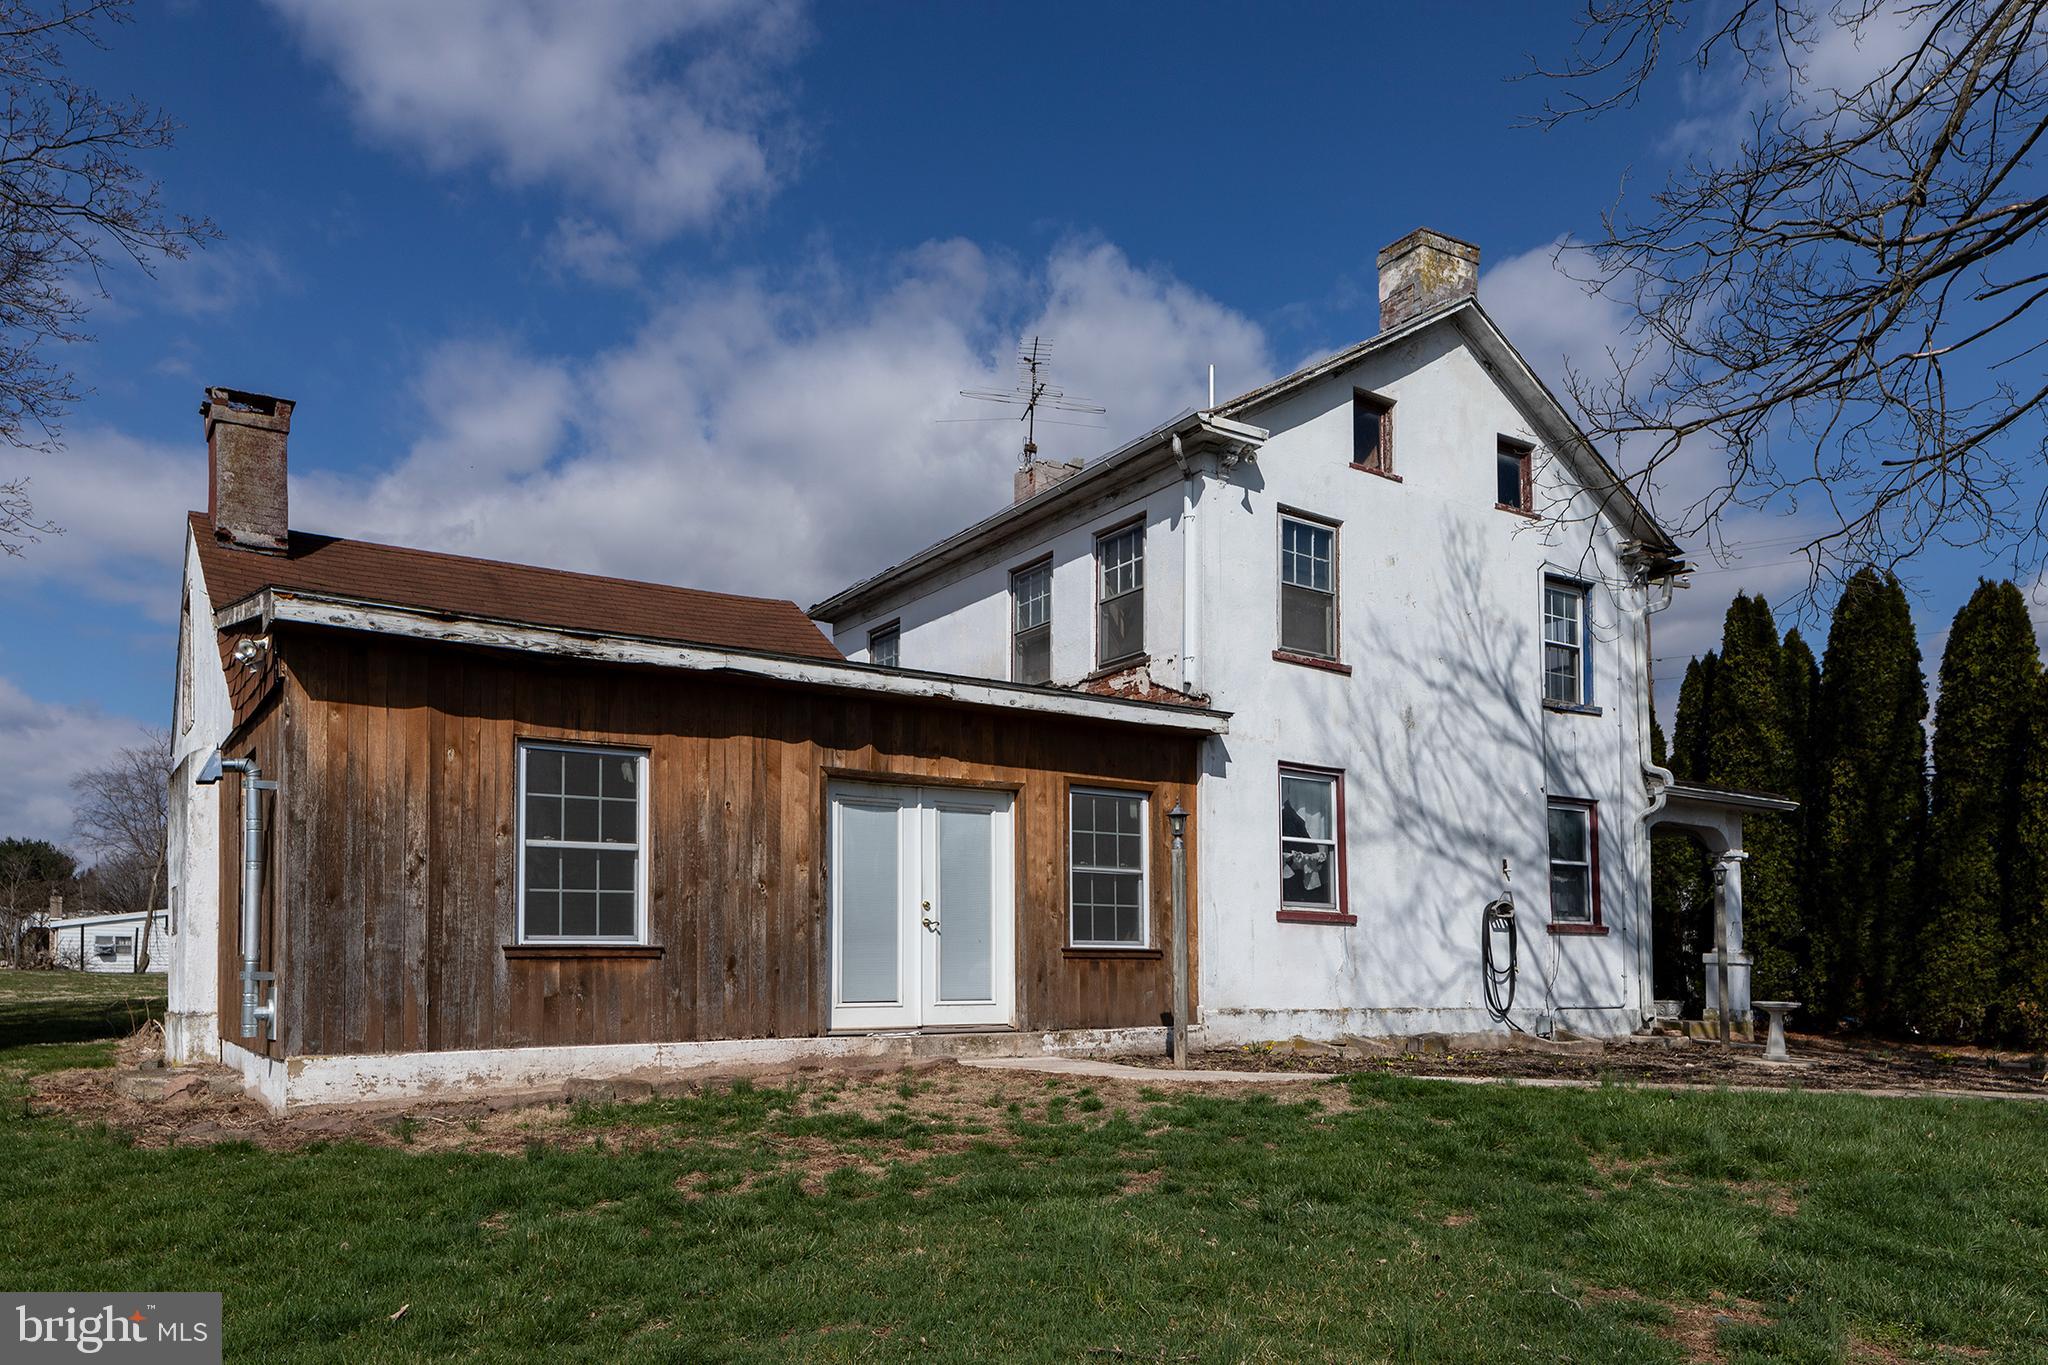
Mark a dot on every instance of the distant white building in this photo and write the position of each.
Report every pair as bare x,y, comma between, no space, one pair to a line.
108,943
1425,598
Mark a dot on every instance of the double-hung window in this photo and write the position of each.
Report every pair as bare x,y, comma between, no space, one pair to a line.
1574,863
1312,840
1308,588
1119,595
1031,624
1565,677
883,642
1106,869
1372,433
1513,485
582,837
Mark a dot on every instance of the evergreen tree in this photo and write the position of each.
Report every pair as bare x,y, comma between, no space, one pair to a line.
1798,695
1681,878
1990,683
1689,723
2023,1000
1868,800
1747,747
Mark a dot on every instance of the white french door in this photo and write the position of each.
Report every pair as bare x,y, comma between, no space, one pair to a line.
923,907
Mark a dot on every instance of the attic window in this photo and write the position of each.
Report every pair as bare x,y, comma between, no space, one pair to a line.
1512,461
1372,433
883,646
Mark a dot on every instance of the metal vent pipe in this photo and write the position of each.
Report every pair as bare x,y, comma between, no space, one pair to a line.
258,1018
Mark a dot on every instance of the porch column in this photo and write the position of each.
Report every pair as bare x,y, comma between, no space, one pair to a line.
1728,938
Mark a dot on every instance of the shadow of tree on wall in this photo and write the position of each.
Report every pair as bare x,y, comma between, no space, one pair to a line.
1457,758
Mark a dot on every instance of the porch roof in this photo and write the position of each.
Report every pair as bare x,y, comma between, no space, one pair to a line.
1726,798
278,606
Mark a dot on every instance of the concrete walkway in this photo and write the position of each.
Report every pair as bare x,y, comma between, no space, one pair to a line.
1152,1075
1120,1071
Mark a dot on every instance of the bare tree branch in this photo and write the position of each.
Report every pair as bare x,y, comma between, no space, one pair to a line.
123,816
72,200
1838,299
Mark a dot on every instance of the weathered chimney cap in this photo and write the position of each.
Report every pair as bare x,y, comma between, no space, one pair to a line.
1422,272
249,409
246,438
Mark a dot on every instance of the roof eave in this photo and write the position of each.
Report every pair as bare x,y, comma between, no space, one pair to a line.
274,606
1131,460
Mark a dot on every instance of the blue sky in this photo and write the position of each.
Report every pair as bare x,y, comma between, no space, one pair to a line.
685,291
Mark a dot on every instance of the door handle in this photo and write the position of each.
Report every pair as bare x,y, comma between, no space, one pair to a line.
927,920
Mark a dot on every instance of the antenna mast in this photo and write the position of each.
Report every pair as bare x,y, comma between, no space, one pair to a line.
1035,390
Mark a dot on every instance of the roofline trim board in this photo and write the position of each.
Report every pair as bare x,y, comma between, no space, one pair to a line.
274,606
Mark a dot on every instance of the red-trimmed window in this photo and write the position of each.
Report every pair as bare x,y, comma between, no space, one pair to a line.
1574,864
1372,432
1514,489
1312,883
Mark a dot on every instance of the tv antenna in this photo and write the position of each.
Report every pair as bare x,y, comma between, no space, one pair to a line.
1035,391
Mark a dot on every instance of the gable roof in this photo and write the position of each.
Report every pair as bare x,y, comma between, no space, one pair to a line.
423,580
1515,373
1141,455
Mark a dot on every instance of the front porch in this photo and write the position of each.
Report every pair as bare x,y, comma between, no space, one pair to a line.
1714,816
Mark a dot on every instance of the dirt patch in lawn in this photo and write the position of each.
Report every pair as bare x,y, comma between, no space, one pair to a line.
811,1120
1695,1328
1819,1063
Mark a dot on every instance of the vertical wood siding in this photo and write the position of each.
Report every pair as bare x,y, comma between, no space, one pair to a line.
399,830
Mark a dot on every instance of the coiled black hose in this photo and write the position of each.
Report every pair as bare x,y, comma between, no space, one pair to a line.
1499,916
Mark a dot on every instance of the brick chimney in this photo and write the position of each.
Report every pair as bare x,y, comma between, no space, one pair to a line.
245,467
1034,476
1422,272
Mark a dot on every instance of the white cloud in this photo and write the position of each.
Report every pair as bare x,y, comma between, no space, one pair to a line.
659,112
119,502
593,252
47,745
1558,325
781,436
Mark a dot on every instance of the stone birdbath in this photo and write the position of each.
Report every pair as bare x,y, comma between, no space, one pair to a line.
1774,1047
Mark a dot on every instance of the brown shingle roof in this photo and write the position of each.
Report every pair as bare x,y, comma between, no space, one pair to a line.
427,581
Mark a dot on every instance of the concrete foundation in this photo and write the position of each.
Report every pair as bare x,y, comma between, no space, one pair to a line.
304,1082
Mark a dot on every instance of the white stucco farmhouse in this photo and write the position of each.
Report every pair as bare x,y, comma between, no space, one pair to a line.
1426,599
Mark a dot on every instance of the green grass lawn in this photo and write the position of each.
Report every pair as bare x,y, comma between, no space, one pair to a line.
70,1018
965,1216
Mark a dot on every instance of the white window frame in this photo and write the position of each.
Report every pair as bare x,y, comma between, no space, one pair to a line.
1582,678
1042,565
1144,800
1280,584
1338,903
892,630
646,797
1588,813
1134,529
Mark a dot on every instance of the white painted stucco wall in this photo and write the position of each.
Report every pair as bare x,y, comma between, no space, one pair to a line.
1448,753
961,623
202,716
